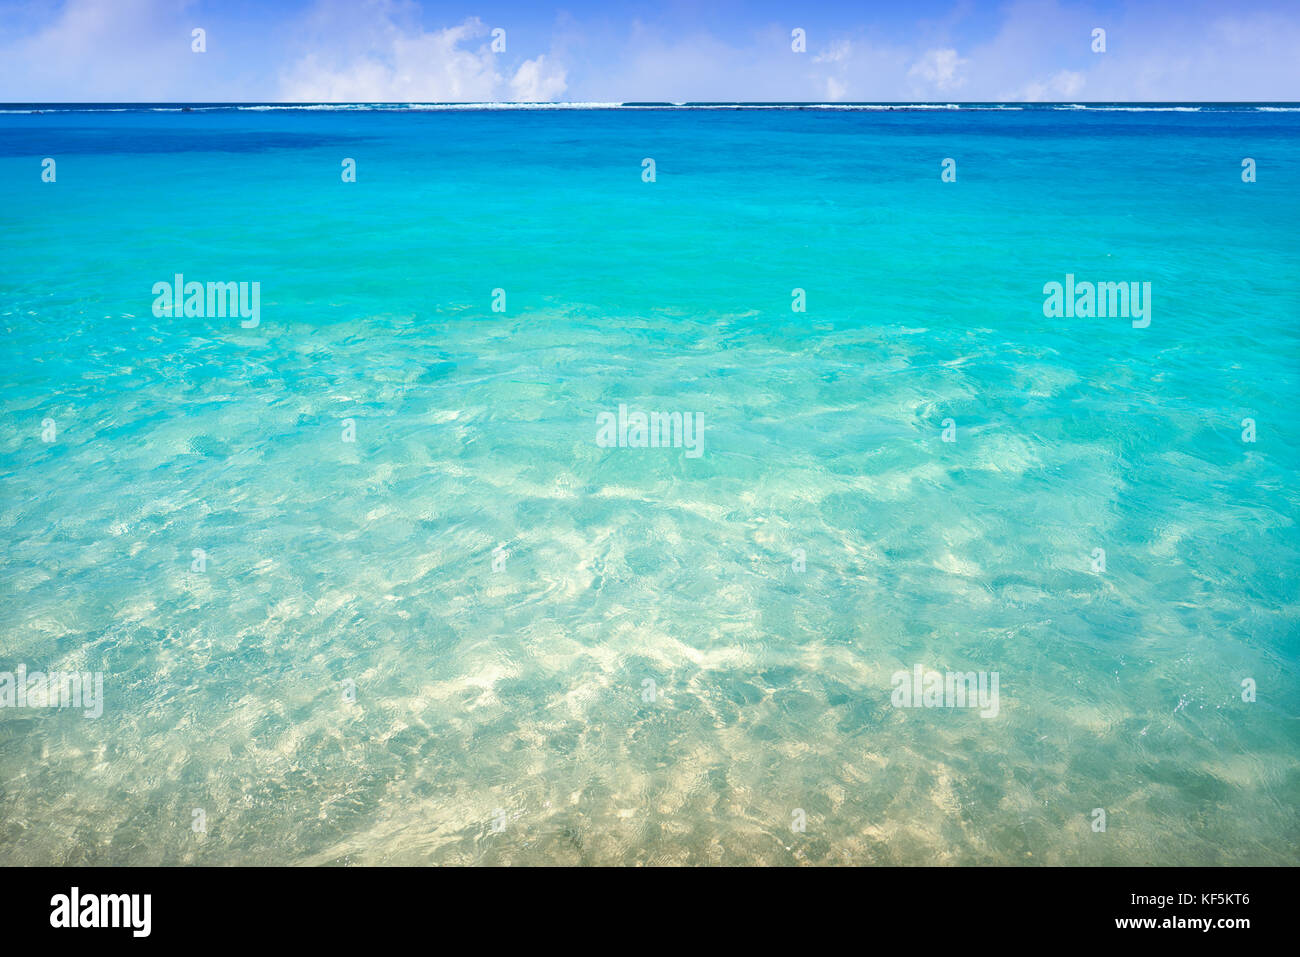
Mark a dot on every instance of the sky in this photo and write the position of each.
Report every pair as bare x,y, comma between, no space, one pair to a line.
618,51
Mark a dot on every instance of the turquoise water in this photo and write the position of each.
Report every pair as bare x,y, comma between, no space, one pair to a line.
495,588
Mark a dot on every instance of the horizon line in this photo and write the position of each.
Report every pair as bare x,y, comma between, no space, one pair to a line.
650,103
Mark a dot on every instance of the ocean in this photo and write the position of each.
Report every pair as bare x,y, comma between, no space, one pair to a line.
532,503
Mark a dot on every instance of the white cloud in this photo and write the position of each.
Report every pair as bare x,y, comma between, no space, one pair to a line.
401,64
837,52
380,50
940,70
658,64
105,50
1064,85
535,82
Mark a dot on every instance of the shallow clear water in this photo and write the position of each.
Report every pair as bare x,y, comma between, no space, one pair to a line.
515,696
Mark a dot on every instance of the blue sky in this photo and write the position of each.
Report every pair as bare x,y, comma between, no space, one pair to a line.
588,51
